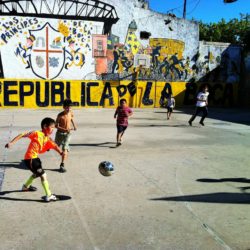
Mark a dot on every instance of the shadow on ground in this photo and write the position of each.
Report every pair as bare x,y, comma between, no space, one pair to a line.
161,125
3,197
231,198
241,116
239,180
19,165
102,144
242,180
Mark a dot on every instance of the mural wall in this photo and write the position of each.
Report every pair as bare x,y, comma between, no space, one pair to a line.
47,49
44,50
141,94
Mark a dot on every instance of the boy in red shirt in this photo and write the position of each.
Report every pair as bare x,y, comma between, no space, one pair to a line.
122,113
40,143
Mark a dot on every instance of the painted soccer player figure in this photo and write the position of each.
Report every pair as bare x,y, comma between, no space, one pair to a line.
63,125
123,112
201,106
40,142
24,51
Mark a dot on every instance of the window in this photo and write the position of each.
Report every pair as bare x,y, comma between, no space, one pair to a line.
99,51
99,45
145,35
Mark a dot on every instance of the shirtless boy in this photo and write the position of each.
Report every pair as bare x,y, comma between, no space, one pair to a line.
63,125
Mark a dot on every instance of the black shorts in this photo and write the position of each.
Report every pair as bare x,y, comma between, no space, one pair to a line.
121,128
35,166
170,109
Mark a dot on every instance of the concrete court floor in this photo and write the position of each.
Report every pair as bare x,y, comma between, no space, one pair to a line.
174,186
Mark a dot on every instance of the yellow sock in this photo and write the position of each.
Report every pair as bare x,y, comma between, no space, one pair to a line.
46,188
29,181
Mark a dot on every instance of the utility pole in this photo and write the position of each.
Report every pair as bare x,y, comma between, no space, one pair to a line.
185,9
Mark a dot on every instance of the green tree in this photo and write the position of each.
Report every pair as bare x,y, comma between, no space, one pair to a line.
235,31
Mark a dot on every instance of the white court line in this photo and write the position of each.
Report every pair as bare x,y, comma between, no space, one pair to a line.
82,219
188,206
204,225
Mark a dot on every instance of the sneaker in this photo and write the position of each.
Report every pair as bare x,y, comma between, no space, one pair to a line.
201,123
30,188
119,144
62,168
190,123
52,197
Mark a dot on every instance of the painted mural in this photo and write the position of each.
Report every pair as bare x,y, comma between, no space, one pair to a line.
60,49
95,94
163,59
48,51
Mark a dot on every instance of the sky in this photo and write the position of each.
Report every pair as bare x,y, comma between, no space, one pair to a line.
207,11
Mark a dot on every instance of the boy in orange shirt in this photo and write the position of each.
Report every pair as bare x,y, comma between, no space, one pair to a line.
40,143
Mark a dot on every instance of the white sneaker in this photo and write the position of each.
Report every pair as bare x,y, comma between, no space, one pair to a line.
50,198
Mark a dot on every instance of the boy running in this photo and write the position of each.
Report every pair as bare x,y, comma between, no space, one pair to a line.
201,106
63,135
122,113
40,143
170,106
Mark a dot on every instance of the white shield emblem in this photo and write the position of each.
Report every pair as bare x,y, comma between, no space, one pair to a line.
47,56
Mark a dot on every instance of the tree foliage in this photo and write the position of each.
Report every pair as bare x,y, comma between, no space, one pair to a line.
235,31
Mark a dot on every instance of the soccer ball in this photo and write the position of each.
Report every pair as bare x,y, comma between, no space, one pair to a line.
106,168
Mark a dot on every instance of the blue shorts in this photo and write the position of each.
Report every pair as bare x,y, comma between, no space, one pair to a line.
170,109
121,128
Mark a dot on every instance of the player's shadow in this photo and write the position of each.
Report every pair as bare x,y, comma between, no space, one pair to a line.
102,144
242,180
243,189
178,111
222,114
226,198
169,125
161,125
19,165
3,197
148,118
223,197
52,169
161,112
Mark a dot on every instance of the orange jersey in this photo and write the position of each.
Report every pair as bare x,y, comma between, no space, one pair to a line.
39,144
